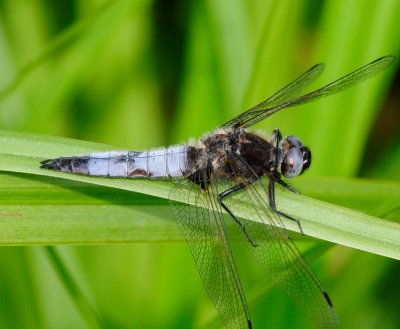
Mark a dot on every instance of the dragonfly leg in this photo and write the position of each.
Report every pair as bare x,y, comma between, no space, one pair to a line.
223,195
277,136
286,185
272,204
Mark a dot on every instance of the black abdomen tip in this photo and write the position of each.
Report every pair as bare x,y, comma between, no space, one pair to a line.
77,165
52,164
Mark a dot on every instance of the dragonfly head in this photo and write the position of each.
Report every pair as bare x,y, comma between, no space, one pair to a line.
297,158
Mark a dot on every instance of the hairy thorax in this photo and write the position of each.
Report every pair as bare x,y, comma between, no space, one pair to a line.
233,152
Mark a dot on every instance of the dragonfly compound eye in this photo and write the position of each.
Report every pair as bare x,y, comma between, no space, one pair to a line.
292,164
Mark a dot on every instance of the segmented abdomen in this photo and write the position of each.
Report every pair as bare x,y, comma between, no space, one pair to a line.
163,162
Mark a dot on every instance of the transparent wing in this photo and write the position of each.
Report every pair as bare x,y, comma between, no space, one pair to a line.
265,109
277,254
292,90
204,229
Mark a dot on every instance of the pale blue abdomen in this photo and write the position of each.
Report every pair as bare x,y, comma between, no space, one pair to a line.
163,162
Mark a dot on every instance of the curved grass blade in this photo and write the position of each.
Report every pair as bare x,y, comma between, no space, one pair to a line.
23,152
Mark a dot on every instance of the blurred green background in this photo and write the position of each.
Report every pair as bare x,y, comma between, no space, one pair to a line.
139,74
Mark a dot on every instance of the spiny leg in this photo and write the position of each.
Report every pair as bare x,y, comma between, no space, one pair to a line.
277,136
272,180
287,186
224,194
273,205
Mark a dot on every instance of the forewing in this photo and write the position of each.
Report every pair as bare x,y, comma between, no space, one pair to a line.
292,90
365,72
278,255
201,222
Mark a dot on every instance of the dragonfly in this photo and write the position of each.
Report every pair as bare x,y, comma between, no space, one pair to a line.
218,174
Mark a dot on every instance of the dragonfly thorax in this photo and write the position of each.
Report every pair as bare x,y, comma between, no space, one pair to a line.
238,152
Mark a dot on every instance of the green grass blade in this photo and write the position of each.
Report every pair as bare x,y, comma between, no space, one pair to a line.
23,152
353,111
81,302
63,40
39,210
